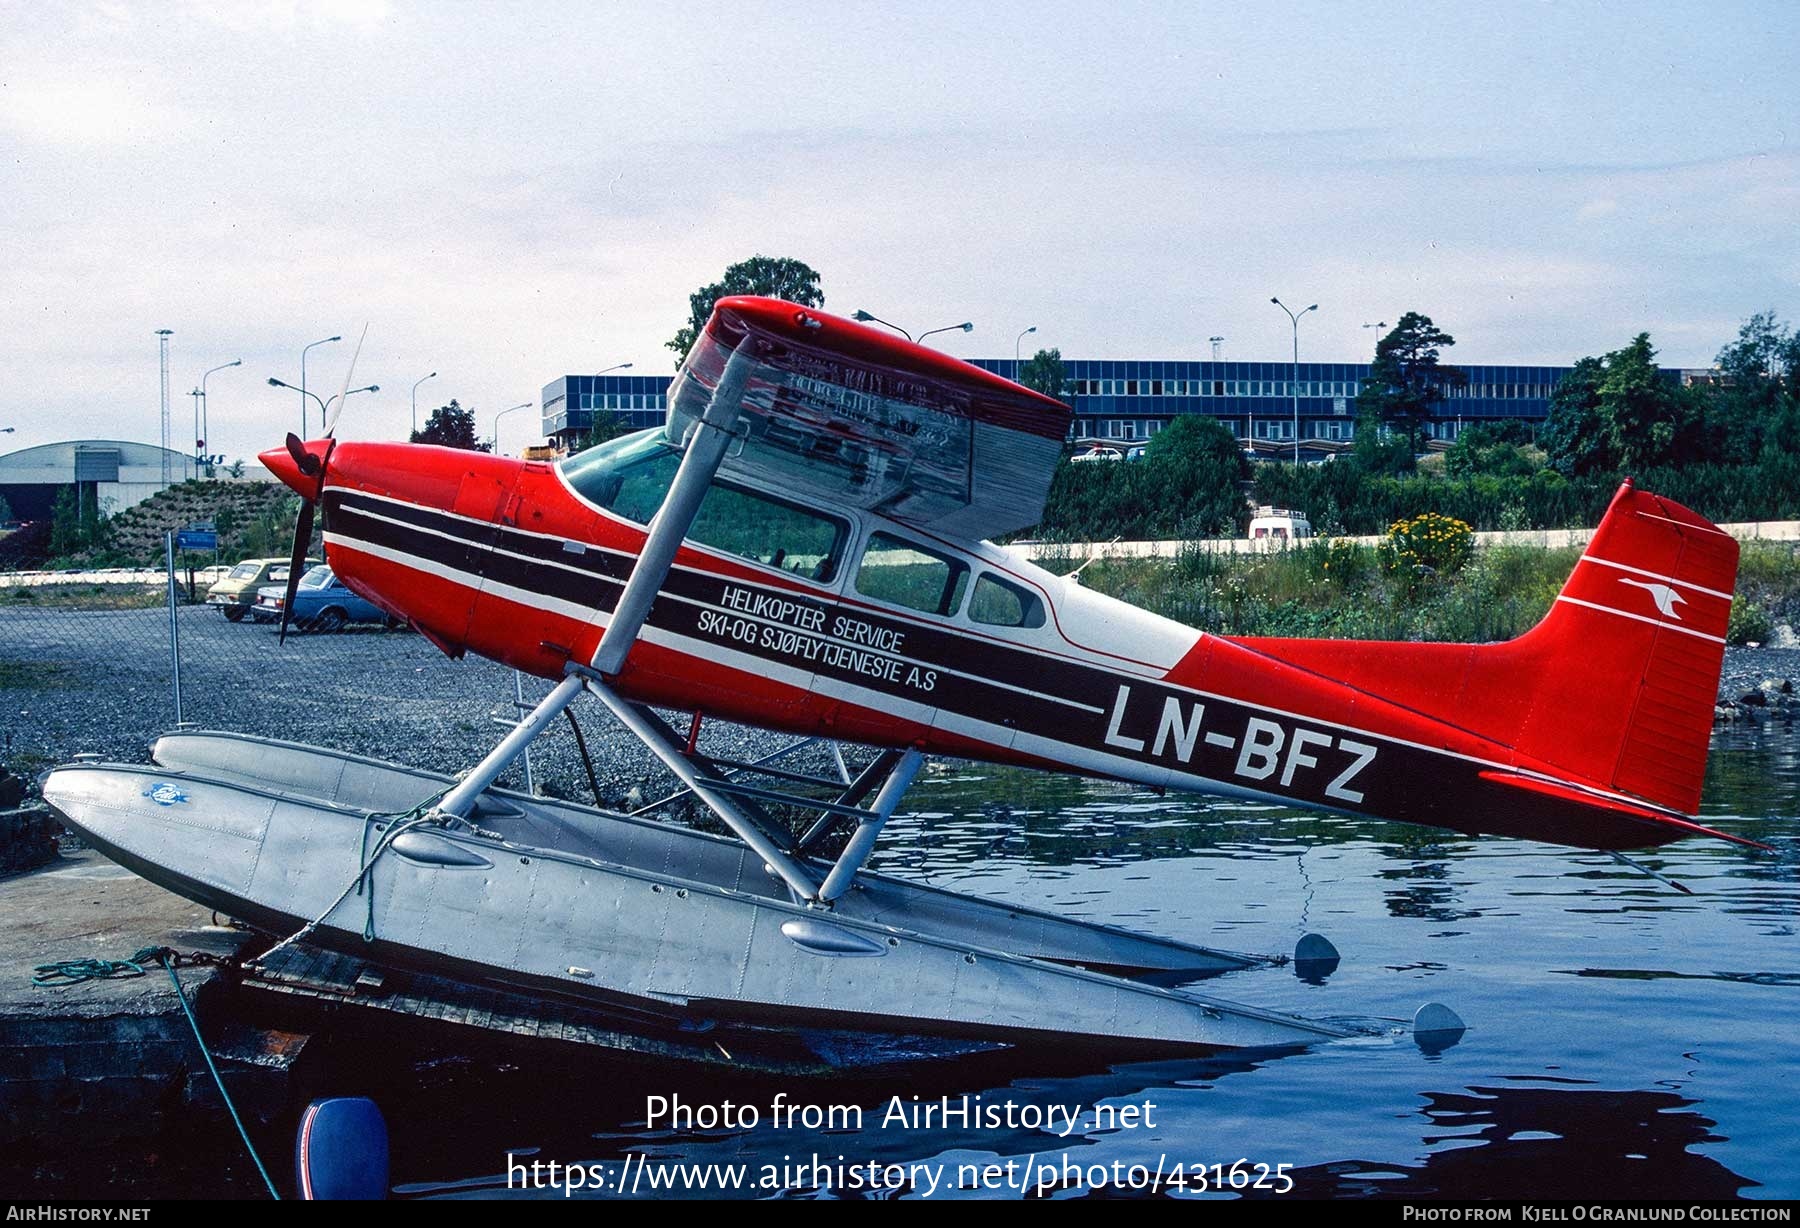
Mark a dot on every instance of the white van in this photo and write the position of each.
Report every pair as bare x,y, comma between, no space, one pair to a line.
1279,524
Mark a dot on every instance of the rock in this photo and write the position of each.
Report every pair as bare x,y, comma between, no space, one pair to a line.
1754,699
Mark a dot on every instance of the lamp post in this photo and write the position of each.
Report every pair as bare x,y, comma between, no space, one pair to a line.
415,402
1294,384
864,317
348,393
281,383
1016,341
502,414
205,428
965,326
302,388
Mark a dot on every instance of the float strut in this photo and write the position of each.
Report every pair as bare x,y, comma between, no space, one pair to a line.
460,801
868,830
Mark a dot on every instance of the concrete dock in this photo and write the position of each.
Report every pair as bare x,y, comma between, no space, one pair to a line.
88,1064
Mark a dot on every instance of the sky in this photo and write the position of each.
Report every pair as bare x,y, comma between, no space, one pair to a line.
507,193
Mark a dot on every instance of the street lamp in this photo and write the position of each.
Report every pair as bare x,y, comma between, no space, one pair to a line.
502,414
302,388
281,383
1294,384
864,317
1016,341
623,366
350,393
205,427
415,400
965,326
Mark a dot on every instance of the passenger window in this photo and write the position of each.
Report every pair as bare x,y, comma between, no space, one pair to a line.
909,575
769,532
1001,603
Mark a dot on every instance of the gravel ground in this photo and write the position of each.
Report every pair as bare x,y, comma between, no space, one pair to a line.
98,682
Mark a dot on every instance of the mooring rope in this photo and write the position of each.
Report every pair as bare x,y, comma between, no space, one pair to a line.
404,822
65,972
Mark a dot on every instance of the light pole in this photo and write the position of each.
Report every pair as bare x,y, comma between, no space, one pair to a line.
415,401
502,414
1216,343
205,415
281,383
348,393
1294,384
302,389
864,317
1016,341
965,326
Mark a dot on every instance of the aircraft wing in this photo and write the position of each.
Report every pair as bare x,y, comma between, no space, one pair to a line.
875,422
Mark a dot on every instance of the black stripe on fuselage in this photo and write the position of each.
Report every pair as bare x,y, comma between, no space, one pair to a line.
1216,740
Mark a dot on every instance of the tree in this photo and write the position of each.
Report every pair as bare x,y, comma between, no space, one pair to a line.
1619,414
1046,373
1754,406
451,426
771,276
1407,381
1492,450
604,425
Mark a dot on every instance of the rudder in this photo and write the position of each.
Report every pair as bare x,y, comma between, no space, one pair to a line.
1628,658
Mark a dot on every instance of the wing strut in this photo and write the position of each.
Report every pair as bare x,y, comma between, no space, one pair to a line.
707,443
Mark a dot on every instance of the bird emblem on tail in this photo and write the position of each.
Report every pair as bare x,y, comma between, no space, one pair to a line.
1665,597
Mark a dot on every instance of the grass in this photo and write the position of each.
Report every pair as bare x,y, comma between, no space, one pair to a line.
82,596
1338,590
36,675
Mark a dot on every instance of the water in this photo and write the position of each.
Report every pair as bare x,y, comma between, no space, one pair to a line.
1624,1040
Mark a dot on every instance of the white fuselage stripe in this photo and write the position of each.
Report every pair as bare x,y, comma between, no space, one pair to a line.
998,735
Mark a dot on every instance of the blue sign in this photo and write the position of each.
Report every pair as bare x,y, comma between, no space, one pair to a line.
196,539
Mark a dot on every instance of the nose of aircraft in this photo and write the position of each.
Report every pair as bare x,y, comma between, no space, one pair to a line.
281,463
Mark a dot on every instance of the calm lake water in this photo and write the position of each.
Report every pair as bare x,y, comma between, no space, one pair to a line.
1624,1039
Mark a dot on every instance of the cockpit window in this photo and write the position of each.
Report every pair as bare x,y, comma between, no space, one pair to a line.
1001,603
631,475
910,575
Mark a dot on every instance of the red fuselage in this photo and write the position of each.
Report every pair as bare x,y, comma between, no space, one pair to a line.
509,560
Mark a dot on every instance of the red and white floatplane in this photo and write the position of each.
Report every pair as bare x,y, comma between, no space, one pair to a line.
802,547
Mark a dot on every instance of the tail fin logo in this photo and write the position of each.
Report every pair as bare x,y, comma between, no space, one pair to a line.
1665,597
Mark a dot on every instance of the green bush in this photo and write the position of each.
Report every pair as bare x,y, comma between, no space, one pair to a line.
1749,623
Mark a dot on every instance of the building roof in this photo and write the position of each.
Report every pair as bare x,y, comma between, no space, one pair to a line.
51,458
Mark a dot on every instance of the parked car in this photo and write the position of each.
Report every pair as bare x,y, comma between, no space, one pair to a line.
1099,454
236,593
322,602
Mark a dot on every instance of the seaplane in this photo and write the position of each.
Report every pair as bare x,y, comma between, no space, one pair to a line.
805,546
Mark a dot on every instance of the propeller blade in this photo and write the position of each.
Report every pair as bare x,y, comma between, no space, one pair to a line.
350,371
296,561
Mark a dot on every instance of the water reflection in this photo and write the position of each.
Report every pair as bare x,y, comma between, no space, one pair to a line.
1544,1143
1625,1041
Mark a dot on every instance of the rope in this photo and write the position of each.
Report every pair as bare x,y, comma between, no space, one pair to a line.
66,972
416,817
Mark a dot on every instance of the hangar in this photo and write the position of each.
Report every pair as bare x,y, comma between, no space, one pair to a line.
110,474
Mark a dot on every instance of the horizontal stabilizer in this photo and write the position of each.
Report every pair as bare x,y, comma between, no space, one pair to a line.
1569,793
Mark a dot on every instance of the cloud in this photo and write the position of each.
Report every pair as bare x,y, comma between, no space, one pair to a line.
92,111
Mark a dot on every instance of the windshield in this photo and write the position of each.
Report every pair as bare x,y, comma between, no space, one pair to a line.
631,475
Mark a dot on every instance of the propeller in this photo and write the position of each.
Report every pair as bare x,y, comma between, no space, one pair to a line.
313,467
